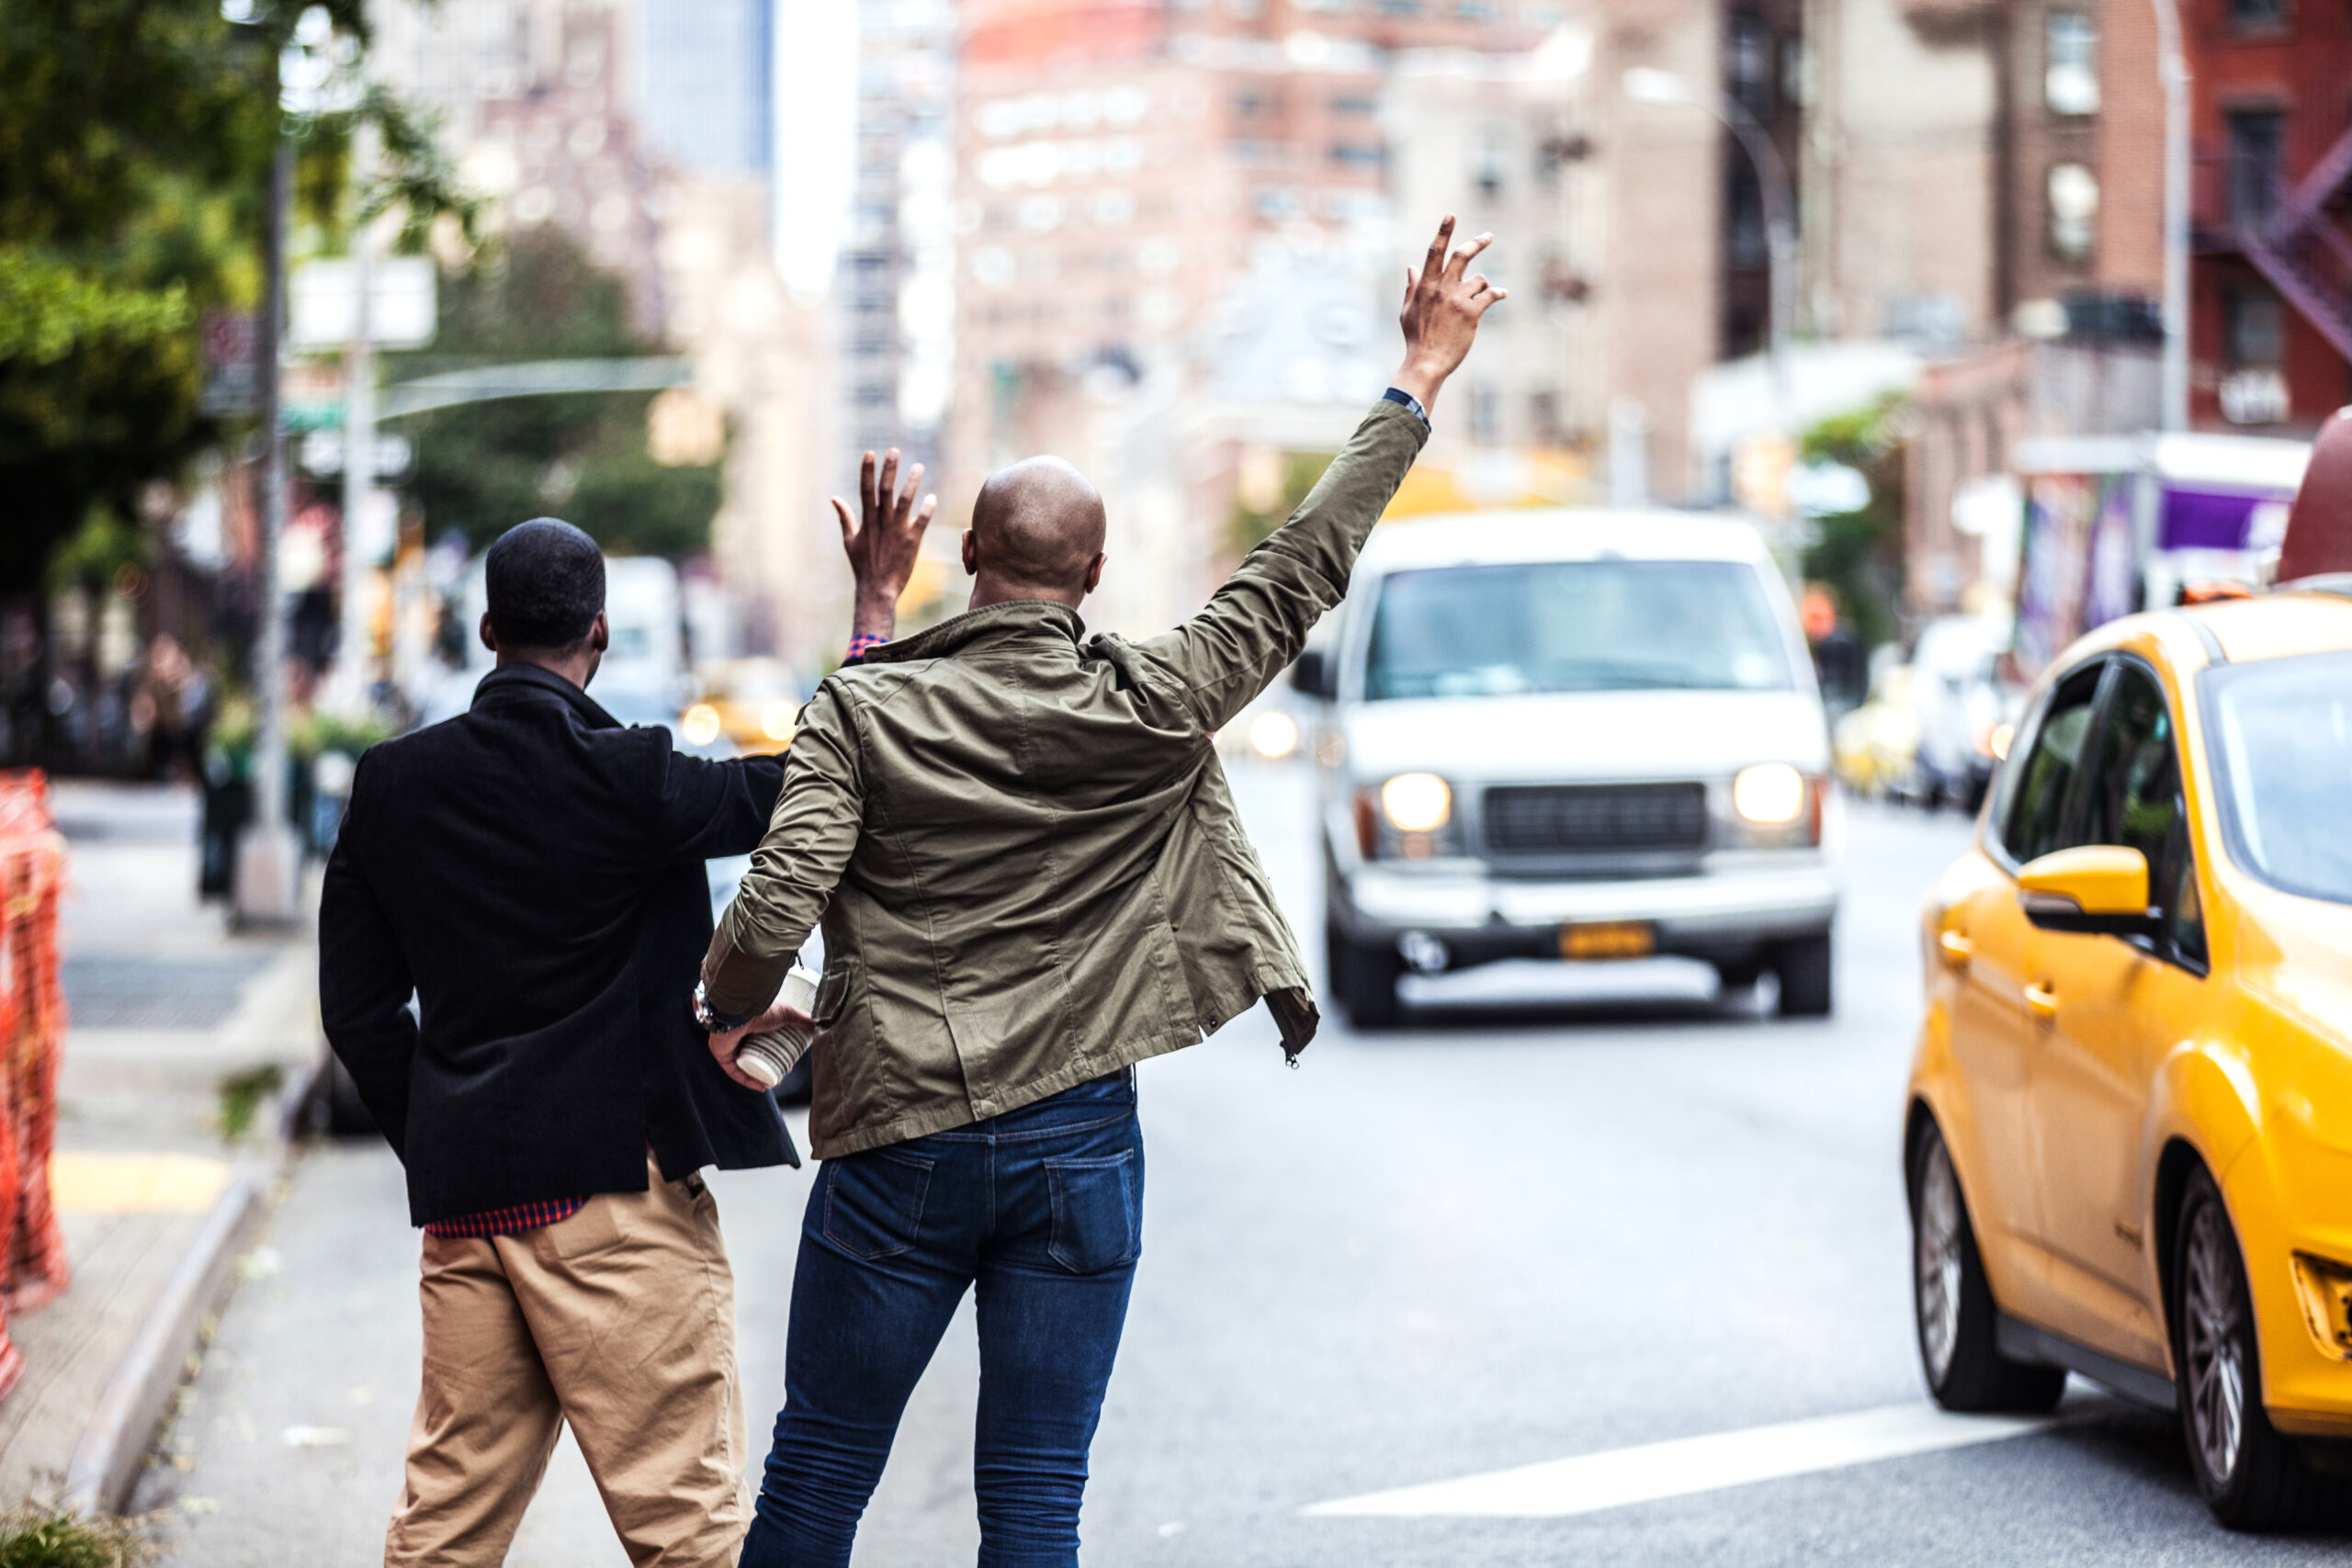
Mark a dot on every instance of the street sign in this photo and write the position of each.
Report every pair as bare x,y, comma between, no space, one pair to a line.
309,397
322,453
403,296
230,385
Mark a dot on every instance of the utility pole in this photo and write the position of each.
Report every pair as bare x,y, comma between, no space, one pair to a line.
268,859
2171,70
352,681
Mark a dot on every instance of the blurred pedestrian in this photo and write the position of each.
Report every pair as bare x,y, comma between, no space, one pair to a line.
1840,662
167,708
1030,877
533,873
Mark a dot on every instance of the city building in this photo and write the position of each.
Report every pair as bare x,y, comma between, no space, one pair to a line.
2272,325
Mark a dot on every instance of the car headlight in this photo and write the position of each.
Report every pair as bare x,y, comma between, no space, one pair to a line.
1769,793
1273,734
776,720
1416,803
700,724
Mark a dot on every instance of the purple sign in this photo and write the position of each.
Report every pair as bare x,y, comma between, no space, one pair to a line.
2205,520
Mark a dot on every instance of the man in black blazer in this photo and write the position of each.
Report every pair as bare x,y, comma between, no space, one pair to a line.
533,873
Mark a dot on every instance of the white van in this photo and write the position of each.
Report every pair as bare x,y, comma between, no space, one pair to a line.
1575,734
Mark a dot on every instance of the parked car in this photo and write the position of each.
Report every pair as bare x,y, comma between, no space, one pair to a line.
1573,735
2129,1134
1960,707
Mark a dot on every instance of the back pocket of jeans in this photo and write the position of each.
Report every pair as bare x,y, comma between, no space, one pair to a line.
1095,1224
874,1201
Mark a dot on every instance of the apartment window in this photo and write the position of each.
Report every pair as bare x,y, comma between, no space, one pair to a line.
1357,154
2257,139
2070,76
874,396
2074,210
1355,105
2254,329
1486,413
2257,16
1747,64
1543,417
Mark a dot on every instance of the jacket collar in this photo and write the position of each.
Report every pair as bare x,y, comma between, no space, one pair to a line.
1013,618
512,684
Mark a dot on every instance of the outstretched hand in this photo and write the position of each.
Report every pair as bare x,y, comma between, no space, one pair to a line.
1444,302
883,540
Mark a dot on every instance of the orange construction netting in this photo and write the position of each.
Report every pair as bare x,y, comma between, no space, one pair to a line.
33,1268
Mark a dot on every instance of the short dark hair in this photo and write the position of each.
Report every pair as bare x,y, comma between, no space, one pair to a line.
546,581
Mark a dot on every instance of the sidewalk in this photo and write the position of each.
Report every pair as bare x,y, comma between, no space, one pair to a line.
165,1008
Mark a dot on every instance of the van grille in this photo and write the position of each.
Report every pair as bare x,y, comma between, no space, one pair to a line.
1550,819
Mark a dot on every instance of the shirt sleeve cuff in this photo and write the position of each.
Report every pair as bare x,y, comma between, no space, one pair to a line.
1412,403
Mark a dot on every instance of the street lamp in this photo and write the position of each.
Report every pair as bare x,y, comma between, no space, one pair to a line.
1645,84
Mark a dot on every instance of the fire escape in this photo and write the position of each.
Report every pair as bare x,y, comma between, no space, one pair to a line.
2290,234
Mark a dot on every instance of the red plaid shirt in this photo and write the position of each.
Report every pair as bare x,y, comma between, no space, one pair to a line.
508,1221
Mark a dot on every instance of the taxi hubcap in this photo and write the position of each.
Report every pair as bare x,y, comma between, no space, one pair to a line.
2216,1367
1939,1261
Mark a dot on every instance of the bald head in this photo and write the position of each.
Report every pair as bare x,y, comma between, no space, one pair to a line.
1036,534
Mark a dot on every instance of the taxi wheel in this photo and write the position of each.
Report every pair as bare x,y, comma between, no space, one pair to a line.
1953,1301
1363,979
2253,1477
1804,968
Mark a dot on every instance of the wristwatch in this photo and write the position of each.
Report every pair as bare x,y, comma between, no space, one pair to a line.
713,1020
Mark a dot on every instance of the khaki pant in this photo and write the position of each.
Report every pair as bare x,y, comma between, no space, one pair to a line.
620,1320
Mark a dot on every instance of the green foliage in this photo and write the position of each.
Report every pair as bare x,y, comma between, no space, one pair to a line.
1859,554
1248,527
319,731
101,546
136,138
46,1536
482,467
243,1094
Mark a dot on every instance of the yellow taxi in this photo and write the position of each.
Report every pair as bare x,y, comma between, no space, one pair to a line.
754,703
2130,1137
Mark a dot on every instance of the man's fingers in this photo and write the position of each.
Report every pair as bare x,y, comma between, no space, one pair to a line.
865,483
1475,284
923,512
1490,298
885,494
1435,264
849,524
906,496
1460,263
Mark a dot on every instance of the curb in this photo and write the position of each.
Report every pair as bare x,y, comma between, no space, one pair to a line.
113,1445
107,1460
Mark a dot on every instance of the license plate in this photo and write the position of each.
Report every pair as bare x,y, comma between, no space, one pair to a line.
1607,939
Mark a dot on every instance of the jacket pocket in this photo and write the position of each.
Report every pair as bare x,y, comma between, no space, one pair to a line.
874,1202
832,992
1095,1225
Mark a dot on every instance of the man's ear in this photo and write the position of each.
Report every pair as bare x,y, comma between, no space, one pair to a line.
971,554
489,638
1094,573
600,633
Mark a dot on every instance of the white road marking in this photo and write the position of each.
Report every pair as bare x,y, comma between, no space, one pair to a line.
1590,1483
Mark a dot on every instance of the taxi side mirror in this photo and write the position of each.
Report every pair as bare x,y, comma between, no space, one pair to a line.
2092,889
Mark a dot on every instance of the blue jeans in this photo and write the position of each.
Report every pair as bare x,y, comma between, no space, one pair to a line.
1040,1211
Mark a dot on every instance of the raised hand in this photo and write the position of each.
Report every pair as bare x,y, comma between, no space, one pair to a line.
1444,302
882,541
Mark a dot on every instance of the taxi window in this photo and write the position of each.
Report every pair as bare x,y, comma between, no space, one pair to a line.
2132,797
2038,813
2285,760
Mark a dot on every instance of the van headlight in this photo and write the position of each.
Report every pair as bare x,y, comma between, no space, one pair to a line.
1771,795
1416,803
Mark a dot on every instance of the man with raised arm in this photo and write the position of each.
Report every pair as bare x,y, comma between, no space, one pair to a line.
1030,877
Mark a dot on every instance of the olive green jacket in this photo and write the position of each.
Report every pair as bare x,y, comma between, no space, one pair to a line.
1023,849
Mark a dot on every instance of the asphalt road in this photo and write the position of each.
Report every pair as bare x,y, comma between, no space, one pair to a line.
1560,1214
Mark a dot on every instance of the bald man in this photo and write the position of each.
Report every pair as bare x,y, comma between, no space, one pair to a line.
1030,877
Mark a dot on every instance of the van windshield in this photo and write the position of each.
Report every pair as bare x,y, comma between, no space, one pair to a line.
1592,626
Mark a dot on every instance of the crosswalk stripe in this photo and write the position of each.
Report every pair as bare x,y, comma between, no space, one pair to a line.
1592,1483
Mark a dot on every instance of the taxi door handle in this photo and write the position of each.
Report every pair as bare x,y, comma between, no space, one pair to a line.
2041,1002
1954,948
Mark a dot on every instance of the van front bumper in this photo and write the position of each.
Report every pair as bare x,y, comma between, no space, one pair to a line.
1741,903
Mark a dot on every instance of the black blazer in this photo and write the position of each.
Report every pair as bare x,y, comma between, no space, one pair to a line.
533,872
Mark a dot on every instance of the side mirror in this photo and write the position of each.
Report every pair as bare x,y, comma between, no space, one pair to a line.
1314,674
2092,889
